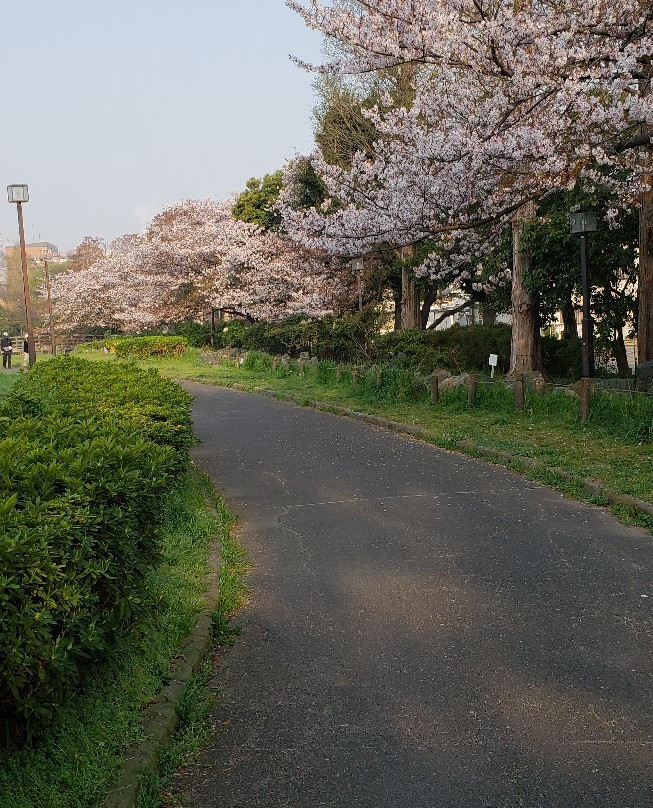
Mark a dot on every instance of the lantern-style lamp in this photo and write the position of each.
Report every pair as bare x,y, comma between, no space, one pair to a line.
18,193
584,222
357,266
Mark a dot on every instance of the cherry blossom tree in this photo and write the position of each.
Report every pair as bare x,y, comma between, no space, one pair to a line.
195,256
512,102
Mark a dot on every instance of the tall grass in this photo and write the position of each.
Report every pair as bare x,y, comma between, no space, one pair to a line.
627,417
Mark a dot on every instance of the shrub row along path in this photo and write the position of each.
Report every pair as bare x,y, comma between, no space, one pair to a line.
424,630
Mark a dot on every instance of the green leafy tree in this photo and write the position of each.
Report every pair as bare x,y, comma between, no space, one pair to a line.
256,204
555,269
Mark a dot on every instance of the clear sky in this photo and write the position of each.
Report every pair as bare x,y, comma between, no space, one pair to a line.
112,109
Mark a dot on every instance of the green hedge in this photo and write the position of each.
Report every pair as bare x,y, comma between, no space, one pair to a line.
90,453
457,348
148,347
341,339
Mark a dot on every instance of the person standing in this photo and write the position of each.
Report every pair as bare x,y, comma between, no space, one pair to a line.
6,347
26,351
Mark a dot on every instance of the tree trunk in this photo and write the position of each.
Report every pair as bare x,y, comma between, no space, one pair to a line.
525,352
568,312
429,299
619,353
645,278
397,312
397,301
409,301
488,315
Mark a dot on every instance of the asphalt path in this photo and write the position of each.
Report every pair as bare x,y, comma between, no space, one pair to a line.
425,630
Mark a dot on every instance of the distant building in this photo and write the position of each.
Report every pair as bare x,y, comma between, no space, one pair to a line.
37,250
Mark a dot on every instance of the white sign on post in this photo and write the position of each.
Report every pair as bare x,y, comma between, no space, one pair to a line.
493,363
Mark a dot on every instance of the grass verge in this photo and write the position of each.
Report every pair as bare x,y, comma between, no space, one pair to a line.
548,430
79,755
193,731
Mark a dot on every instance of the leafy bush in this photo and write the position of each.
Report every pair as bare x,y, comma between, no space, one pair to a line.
148,347
196,334
89,454
341,339
562,357
458,348
231,334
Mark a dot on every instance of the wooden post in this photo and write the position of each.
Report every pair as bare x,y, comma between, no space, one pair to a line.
471,389
584,399
354,378
339,373
379,379
435,388
276,362
519,391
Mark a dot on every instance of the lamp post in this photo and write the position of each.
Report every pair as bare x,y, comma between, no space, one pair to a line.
357,266
583,223
53,347
18,194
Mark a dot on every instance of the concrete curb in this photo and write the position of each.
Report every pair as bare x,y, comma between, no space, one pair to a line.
589,485
160,718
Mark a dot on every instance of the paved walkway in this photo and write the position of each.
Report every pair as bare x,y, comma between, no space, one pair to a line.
425,630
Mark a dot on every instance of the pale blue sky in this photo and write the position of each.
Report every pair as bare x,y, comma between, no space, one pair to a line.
114,108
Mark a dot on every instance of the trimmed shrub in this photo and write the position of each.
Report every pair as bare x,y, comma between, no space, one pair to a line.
90,452
458,348
148,347
341,339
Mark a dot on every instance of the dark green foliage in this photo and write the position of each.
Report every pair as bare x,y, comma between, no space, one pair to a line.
148,347
196,334
457,348
555,267
230,334
89,454
562,357
342,339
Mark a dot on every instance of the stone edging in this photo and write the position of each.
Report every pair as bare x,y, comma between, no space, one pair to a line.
590,485
160,718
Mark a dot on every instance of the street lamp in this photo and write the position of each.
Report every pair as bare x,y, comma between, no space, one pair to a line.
584,222
18,194
357,266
